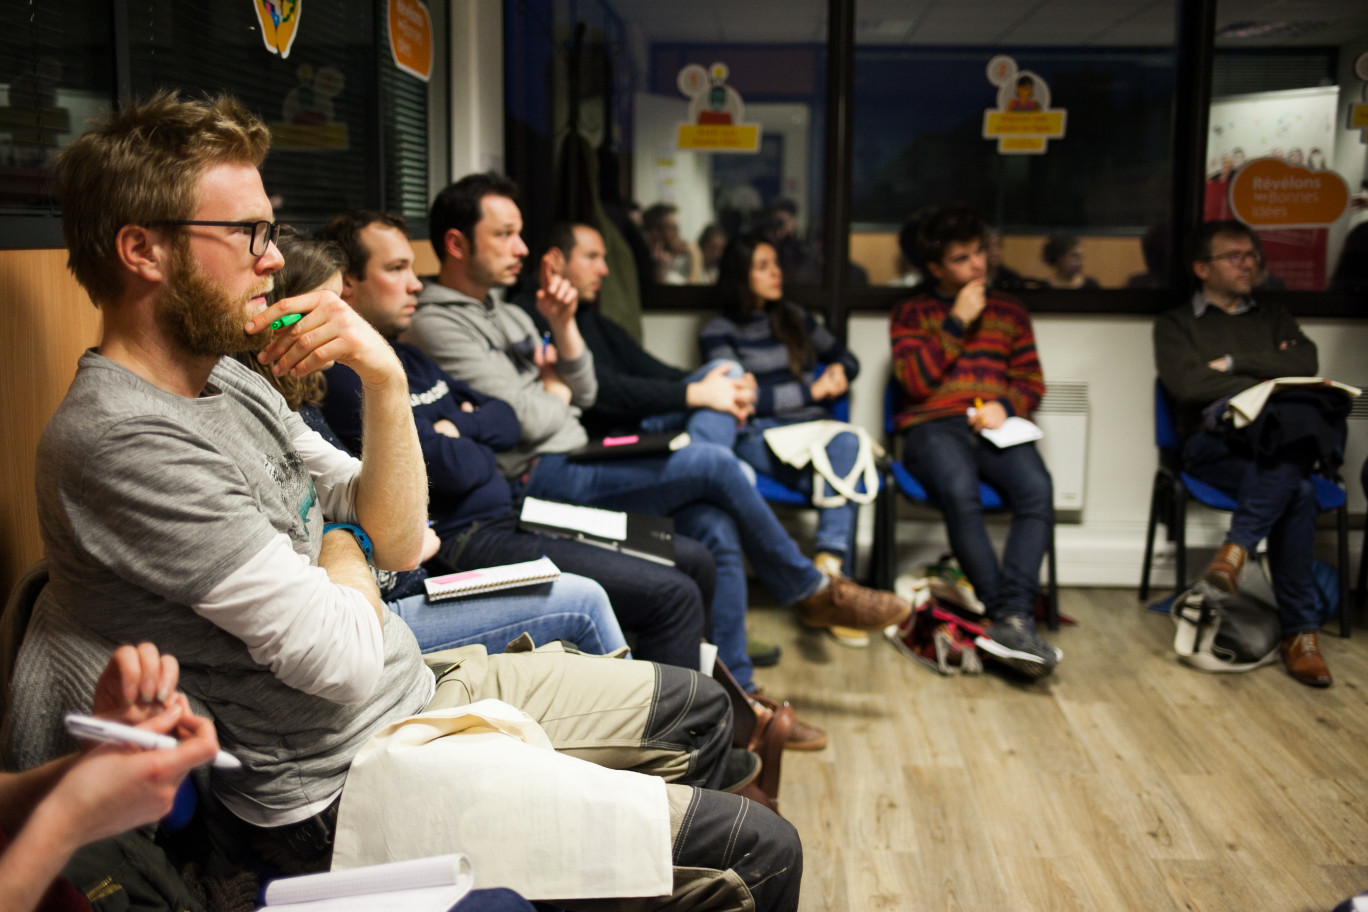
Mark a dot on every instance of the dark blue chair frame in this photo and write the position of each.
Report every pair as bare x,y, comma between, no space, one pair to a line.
1174,488
886,515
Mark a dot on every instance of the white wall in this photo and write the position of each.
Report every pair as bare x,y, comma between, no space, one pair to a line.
476,87
1114,356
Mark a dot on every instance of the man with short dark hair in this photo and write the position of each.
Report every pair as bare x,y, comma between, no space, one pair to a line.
965,360
460,431
1220,343
466,326
180,498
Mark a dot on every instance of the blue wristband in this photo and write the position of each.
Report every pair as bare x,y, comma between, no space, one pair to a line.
358,533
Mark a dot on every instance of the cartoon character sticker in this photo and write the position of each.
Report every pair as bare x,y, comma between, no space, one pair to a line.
716,112
1023,122
279,24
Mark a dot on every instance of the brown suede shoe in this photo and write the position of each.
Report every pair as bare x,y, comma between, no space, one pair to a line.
1224,570
1301,653
846,603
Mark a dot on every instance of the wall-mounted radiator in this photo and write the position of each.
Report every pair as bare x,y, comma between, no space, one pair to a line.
1063,418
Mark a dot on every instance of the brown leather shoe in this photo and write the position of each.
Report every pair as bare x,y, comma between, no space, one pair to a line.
1301,653
1224,570
846,603
801,736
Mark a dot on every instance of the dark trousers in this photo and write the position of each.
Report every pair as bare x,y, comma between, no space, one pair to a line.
949,459
1275,499
664,609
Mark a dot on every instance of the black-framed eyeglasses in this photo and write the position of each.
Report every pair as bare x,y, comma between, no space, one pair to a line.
263,235
1238,257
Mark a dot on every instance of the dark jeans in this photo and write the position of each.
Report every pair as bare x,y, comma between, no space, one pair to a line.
703,487
1274,500
949,460
663,608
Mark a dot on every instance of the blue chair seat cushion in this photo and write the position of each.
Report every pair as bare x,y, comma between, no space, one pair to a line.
1329,496
913,489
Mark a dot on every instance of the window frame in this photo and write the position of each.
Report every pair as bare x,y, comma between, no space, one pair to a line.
43,230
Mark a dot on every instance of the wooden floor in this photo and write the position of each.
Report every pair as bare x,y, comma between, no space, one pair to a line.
1123,782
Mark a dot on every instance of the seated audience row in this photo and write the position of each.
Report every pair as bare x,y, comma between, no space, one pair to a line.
182,500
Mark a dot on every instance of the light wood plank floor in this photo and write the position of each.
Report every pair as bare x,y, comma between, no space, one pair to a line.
1123,782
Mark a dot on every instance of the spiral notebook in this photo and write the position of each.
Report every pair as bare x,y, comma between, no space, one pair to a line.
421,885
491,579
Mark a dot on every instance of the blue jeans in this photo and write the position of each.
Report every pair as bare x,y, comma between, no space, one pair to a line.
701,473
1274,500
570,608
679,421
835,525
663,608
949,459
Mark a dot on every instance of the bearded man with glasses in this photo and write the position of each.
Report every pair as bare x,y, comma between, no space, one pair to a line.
1208,349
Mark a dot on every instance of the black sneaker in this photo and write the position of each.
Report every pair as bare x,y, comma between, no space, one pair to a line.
761,653
742,768
1013,641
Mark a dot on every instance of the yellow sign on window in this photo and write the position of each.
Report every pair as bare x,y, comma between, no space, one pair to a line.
1023,121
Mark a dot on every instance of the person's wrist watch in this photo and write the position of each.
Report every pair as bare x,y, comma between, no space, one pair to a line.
362,539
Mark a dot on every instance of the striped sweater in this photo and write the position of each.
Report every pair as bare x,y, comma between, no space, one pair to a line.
942,366
753,346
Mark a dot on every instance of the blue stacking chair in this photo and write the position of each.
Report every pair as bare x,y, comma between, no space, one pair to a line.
905,483
1174,488
776,492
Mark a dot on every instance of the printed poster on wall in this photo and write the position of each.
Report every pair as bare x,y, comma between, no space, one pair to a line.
1270,164
716,113
1023,122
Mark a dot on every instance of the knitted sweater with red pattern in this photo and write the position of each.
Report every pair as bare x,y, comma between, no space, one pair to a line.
942,366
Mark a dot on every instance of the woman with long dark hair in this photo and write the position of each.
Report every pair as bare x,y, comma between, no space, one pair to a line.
800,368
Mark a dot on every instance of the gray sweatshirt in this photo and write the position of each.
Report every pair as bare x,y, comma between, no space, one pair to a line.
489,344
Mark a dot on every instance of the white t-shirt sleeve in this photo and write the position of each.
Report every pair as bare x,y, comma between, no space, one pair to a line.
313,634
335,473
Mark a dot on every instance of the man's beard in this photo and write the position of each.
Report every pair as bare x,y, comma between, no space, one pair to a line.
201,316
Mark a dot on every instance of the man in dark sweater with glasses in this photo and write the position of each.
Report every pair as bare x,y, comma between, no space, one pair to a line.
1220,343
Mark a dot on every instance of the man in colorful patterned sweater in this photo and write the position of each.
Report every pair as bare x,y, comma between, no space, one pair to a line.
965,361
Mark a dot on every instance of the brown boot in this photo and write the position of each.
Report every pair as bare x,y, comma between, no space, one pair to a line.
1224,570
843,602
1301,653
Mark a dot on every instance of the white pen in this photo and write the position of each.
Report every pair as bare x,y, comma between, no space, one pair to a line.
93,729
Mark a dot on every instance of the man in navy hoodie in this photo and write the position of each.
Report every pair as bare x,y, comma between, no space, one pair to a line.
460,430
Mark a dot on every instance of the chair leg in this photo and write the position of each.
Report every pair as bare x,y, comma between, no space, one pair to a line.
1361,590
1156,496
1342,522
1052,577
881,571
1179,531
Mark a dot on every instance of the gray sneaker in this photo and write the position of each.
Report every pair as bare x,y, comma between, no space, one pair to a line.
1014,642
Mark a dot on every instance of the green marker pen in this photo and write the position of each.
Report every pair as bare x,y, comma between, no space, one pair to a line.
287,320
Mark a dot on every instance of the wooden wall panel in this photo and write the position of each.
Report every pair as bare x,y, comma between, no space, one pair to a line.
1111,260
47,322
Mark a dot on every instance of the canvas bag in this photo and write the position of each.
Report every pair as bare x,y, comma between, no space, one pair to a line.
805,443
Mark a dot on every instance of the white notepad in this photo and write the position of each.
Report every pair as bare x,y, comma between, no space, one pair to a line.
421,885
491,579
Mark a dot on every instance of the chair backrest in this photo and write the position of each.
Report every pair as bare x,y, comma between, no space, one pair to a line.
14,621
889,404
839,407
1165,431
